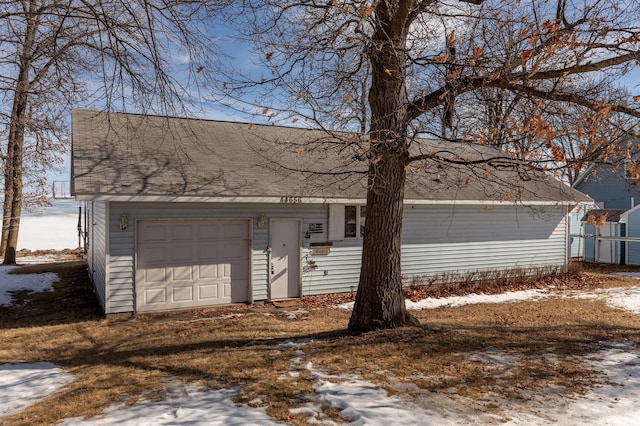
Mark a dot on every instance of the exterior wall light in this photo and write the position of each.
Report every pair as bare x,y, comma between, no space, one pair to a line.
124,222
261,220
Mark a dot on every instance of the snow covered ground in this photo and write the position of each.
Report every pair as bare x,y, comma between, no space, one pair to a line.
54,227
624,297
21,384
614,401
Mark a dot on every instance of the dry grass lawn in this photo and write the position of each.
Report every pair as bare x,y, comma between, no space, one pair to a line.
116,360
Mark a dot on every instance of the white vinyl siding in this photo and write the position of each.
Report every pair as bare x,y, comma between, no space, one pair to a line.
469,238
455,239
435,239
97,248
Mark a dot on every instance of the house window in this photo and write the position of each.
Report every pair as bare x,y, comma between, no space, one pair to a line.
354,218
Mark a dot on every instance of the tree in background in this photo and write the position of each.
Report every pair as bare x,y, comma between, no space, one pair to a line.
58,53
510,121
420,63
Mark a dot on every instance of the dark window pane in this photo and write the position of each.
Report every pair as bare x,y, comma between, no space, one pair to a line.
350,221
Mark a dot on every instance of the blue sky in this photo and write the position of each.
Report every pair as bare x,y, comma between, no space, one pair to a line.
240,55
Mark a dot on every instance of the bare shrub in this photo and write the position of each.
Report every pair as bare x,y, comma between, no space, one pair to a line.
484,281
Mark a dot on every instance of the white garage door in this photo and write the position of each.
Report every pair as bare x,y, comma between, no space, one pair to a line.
191,263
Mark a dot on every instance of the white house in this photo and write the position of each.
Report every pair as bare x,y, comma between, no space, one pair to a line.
187,213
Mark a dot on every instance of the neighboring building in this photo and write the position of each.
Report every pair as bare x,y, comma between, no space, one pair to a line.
188,213
611,187
616,193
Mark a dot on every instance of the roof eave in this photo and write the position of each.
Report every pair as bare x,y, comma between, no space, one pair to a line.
303,200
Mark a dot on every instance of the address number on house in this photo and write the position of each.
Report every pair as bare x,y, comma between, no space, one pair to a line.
291,200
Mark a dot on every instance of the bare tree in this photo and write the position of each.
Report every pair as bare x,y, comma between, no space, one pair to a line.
57,53
421,61
522,124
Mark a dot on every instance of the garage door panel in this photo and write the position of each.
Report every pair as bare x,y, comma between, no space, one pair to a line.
181,254
236,292
153,254
182,233
235,270
224,270
155,296
182,294
153,233
198,263
183,273
156,275
232,231
238,271
209,292
208,271
234,250
208,253
208,232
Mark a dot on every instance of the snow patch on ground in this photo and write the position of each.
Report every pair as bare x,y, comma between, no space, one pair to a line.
197,405
627,298
23,384
470,299
31,282
362,403
620,297
613,401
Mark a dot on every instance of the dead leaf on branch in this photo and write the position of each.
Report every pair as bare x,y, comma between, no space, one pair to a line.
365,12
602,218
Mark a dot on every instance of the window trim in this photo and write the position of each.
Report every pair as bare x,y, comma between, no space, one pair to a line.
359,221
337,219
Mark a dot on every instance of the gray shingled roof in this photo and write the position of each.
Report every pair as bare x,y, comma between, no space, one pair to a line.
116,154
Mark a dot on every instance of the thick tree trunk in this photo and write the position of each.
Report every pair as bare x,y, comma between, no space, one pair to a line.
380,301
12,206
